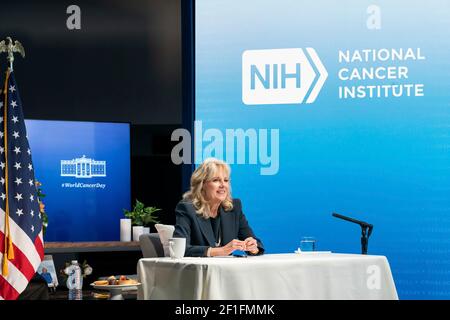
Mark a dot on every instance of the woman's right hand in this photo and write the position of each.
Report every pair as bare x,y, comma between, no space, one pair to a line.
228,248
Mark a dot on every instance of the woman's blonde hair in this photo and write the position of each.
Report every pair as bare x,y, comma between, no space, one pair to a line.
204,173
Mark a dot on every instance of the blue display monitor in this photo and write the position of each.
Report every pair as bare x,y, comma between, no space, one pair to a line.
84,168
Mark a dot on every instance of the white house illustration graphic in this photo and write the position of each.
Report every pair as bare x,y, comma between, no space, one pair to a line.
83,168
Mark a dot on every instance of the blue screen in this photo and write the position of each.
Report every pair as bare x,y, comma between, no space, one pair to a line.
323,107
84,168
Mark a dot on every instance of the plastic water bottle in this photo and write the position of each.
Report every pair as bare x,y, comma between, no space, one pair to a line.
74,281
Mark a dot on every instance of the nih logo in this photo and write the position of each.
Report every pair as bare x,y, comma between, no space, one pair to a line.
281,76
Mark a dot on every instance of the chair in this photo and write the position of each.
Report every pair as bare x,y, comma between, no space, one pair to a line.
151,246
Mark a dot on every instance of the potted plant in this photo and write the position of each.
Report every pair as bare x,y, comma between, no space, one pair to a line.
41,195
141,216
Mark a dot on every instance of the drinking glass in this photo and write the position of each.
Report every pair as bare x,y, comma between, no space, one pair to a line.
308,244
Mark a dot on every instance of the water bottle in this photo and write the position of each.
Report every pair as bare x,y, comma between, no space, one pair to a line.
74,281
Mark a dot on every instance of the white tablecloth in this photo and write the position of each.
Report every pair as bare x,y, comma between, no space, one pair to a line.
270,276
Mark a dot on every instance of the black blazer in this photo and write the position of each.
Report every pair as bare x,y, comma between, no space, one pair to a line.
199,233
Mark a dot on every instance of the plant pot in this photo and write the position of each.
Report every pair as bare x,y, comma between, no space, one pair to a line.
137,231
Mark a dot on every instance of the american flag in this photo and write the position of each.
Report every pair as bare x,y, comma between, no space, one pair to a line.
21,241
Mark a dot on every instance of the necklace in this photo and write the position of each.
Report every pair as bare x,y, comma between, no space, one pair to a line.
215,224
218,241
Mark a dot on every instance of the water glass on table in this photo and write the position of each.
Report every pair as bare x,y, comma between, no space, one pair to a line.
308,244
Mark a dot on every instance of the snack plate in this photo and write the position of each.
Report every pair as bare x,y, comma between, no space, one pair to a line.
116,289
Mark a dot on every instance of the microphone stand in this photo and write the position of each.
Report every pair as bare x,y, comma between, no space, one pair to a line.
366,230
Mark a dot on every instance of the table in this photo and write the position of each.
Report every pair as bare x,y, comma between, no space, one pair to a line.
106,257
95,246
271,276
89,294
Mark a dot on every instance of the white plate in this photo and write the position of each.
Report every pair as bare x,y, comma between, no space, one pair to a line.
116,290
115,286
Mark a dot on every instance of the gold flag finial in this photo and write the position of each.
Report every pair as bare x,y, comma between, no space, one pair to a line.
10,48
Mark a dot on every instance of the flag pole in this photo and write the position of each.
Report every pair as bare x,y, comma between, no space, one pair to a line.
8,253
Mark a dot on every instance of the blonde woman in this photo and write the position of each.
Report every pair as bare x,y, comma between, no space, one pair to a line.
211,221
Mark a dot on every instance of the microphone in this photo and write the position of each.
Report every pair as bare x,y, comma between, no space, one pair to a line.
361,223
366,230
